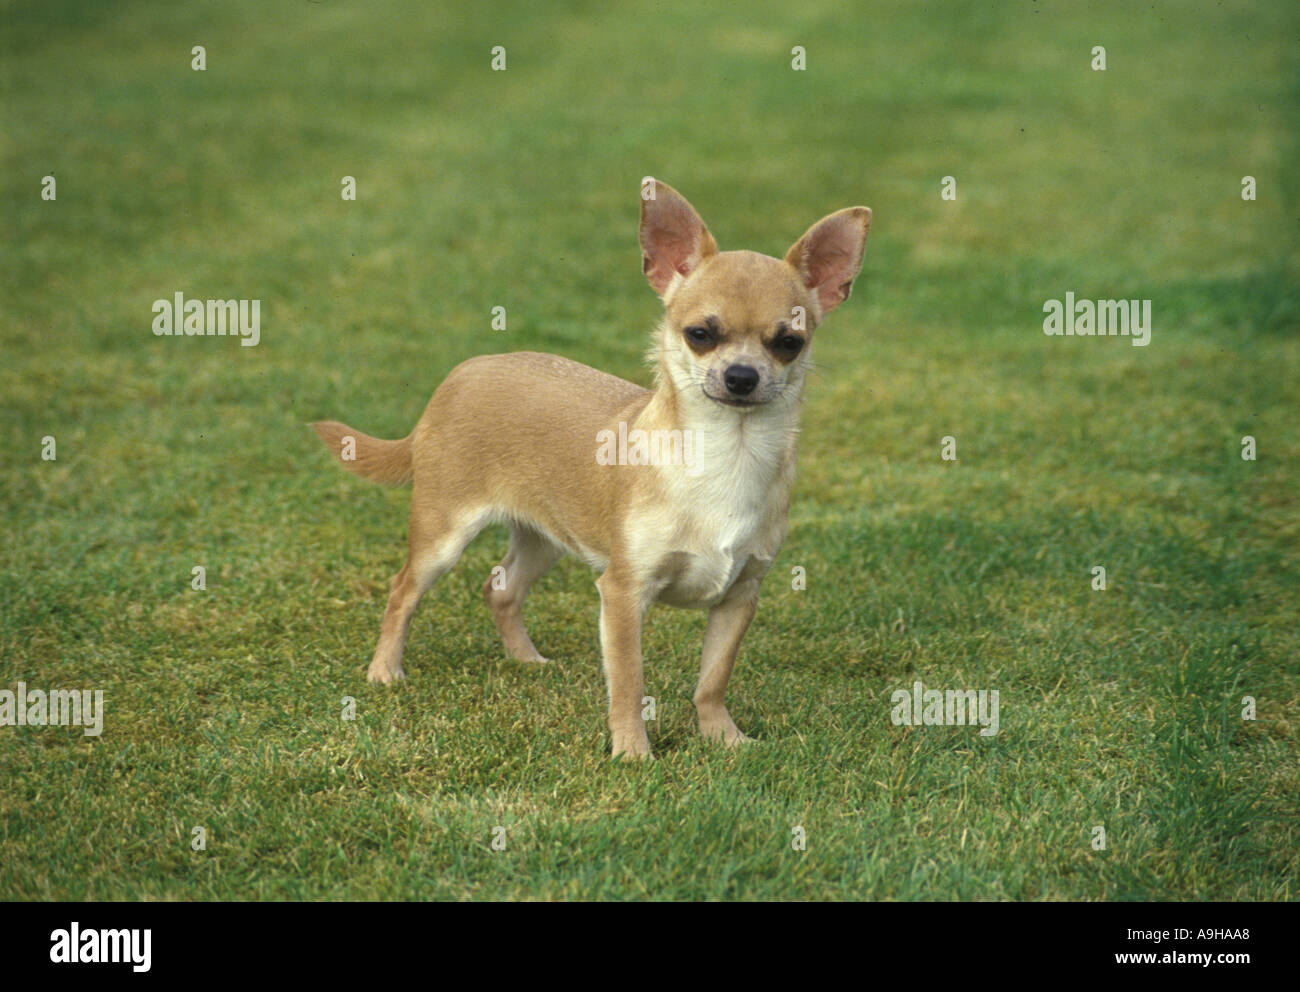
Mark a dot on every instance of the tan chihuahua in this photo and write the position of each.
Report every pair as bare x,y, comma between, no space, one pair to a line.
676,494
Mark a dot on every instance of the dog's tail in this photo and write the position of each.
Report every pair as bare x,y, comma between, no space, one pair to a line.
388,462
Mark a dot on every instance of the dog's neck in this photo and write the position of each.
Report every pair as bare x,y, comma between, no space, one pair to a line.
743,449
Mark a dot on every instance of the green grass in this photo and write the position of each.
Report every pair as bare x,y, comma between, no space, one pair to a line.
518,189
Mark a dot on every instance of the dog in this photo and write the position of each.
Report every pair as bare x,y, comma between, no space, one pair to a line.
566,457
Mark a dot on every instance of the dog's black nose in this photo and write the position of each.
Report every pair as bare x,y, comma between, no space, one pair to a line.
740,379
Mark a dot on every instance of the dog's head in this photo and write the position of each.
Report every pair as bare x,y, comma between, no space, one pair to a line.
738,323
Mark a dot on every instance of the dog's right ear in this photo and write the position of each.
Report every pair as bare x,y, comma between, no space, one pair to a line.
674,241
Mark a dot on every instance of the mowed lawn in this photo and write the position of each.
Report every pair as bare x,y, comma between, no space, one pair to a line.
1120,708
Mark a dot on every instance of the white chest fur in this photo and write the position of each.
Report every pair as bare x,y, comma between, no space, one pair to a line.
720,511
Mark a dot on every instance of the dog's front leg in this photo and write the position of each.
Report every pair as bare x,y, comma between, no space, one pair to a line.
622,606
726,628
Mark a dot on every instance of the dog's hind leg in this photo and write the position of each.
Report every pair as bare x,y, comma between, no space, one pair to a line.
530,556
435,546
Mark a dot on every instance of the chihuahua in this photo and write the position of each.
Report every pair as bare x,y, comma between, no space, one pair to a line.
689,505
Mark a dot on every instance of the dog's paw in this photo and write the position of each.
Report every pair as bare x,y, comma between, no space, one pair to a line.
635,756
533,657
379,674
629,746
725,730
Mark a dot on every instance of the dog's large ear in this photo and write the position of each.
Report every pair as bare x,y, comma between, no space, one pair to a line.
829,256
673,238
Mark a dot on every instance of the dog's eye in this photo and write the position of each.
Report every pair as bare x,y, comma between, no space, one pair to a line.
788,345
699,335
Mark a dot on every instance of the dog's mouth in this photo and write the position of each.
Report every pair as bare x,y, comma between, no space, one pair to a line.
739,402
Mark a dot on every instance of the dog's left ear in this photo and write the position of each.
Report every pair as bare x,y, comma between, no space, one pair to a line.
829,256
